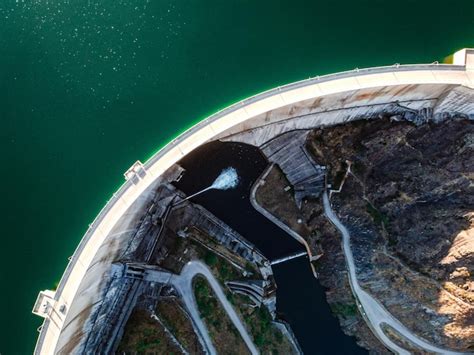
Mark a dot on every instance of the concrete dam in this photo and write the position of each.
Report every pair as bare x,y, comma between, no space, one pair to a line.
418,93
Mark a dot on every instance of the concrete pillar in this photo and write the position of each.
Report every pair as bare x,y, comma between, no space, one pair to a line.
465,57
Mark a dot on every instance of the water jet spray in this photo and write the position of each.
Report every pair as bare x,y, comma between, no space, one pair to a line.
227,179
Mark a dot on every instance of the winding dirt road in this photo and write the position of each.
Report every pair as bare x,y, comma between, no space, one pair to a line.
376,314
184,285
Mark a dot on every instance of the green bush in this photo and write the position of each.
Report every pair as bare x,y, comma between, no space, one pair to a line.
210,259
344,309
377,216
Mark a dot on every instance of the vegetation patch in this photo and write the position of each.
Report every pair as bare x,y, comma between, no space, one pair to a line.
344,309
220,267
266,335
179,324
144,335
224,335
378,217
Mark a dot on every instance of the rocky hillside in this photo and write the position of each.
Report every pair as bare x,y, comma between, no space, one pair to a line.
409,205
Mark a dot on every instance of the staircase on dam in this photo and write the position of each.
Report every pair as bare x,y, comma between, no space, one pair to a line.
259,291
289,153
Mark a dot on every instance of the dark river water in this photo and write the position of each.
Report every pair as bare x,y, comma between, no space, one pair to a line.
300,299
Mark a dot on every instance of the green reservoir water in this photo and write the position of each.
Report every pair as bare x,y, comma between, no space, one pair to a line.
88,87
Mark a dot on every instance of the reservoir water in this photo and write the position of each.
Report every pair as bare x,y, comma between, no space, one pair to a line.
300,299
87,87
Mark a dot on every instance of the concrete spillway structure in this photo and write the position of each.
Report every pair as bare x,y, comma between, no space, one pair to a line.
426,91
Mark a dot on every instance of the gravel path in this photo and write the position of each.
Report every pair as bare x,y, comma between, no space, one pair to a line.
184,285
370,307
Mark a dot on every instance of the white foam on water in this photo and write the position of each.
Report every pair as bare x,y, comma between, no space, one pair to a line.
227,179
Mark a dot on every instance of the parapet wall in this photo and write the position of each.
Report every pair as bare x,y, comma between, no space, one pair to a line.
423,102
314,100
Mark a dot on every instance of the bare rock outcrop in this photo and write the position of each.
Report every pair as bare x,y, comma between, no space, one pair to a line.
409,205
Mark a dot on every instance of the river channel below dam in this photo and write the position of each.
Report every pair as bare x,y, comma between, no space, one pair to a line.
301,300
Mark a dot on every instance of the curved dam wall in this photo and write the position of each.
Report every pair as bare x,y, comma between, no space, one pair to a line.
317,101
423,102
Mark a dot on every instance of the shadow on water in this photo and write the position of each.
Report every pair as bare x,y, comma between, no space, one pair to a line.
300,299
